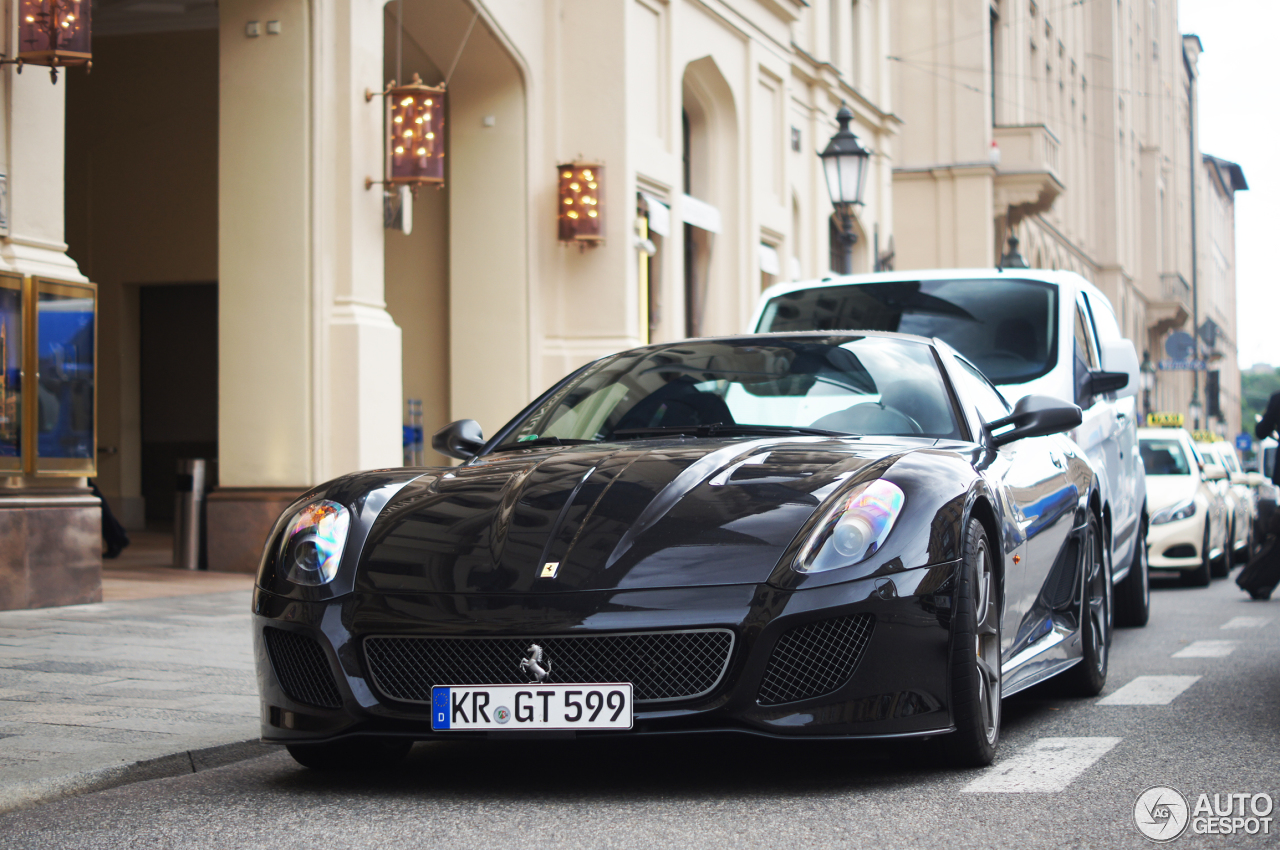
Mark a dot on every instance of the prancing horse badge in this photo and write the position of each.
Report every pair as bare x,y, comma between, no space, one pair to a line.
549,569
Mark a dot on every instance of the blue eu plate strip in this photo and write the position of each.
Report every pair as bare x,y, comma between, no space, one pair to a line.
439,708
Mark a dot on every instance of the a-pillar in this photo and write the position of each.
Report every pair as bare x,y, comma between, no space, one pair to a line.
309,359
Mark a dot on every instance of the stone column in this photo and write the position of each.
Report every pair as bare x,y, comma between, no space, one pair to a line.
309,359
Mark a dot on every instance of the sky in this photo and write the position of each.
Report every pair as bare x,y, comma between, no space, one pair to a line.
1240,121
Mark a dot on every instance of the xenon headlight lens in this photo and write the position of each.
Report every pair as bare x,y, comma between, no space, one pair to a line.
311,547
855,529
1173,513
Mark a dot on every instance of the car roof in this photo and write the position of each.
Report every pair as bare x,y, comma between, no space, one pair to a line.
1175,433
1058,278
850,334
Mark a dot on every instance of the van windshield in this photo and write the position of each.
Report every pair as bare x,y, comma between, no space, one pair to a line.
1006,326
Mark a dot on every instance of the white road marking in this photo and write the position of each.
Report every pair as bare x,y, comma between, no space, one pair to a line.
1150,690
1246,623
1049,764
1207,649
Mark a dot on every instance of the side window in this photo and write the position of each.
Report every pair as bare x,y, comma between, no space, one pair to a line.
981,393
1085,359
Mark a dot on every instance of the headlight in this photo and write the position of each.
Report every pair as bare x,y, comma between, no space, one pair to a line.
311,547
1173,513
854,529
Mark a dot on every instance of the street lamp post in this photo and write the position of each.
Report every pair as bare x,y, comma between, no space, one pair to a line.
844,163
1196,410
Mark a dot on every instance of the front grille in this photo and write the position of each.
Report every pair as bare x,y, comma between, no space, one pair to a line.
815,659
661,666
301,668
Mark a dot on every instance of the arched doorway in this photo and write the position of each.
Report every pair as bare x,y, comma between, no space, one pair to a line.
710,151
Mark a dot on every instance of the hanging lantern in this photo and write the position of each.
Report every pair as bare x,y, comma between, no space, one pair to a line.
581,210
415,134
54,33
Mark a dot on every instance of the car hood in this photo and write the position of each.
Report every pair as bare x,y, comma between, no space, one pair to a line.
637,514
1165,490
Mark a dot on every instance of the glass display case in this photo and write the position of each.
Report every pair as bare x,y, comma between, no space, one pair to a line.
48,376
64,407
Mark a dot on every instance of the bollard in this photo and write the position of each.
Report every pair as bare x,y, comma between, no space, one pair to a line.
188,514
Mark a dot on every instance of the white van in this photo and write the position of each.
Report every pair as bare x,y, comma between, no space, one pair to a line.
1031,331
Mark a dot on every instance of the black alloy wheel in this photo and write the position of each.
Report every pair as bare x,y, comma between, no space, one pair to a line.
975,656
1201,575
1089,676
1221,568
352,753
1133,595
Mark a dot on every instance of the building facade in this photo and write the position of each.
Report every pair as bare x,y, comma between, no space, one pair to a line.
1071,126
219,183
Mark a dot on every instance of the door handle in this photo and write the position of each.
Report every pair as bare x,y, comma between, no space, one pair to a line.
1120,415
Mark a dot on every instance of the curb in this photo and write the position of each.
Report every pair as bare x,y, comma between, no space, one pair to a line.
22,795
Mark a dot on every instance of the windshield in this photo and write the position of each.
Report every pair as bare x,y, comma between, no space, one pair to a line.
1007,327
834,385
1164,456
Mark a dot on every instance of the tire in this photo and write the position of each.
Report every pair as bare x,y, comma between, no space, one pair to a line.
975,656
351,753
1221,568
1201,575
1133,595
1089,676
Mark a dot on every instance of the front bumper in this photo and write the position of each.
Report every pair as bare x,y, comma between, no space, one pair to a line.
1176,545
899,686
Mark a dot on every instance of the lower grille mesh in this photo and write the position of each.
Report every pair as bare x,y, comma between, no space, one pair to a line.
660,665
815,659
301,668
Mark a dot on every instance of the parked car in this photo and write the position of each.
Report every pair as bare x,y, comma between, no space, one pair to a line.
1239,489
798,535
1031,332
1188,513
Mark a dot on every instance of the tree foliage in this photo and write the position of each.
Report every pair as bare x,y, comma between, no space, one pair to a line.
1255,390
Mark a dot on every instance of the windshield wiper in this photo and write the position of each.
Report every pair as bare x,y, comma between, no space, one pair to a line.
716,429
541,442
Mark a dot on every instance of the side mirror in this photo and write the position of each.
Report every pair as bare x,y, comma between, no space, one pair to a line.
461,439
1119,355
1102,383
1035,416
1212,472
1254,479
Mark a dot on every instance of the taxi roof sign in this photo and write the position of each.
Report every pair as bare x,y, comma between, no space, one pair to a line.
1165,420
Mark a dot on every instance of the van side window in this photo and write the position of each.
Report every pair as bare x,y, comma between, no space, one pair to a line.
1084,357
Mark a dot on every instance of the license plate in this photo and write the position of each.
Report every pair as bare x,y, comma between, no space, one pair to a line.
475,708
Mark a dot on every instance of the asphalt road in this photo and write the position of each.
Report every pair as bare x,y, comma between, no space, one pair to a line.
1068,774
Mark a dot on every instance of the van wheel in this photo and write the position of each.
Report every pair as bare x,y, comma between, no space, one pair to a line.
1133,595
1221,568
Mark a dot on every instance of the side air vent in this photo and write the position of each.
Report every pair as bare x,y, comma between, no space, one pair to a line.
815,659
301,668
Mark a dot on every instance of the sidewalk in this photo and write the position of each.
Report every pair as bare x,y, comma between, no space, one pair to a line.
157,680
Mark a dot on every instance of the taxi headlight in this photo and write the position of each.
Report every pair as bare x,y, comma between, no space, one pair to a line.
312,543
1173,513
854,529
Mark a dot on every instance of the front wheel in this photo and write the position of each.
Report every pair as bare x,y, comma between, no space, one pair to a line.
1133,595
1089,676
975,656
1201,575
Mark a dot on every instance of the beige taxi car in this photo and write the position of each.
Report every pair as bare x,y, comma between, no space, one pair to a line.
1188,530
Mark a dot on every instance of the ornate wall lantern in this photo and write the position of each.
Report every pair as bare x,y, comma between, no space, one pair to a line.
54,33
415,134
581,210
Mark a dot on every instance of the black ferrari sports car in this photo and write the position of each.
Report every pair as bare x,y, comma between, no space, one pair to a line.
842,535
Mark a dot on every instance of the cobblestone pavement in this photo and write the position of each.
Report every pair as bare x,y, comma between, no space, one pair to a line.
88,689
